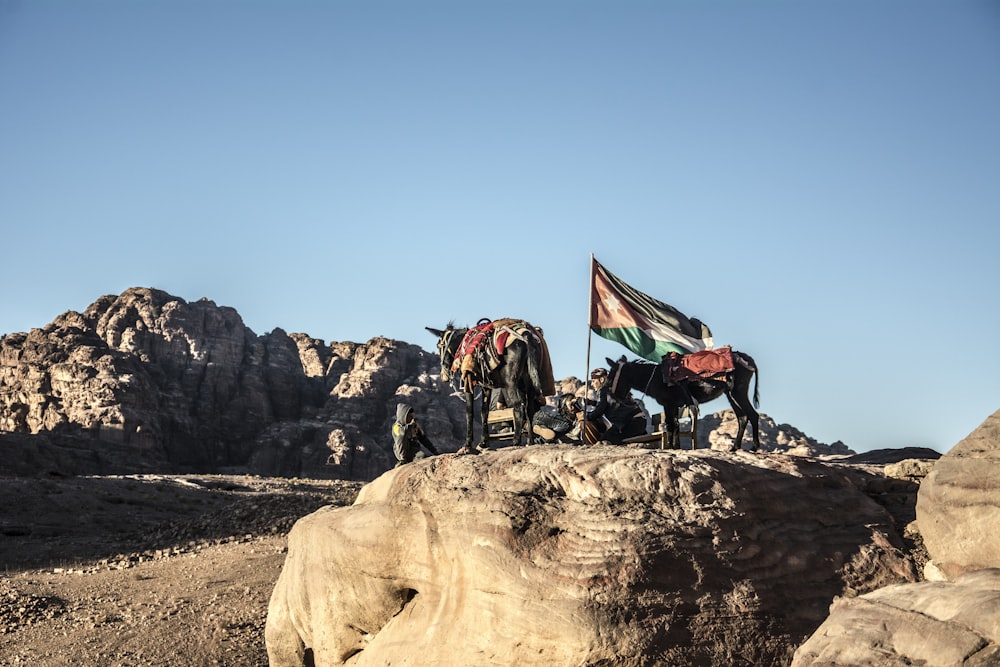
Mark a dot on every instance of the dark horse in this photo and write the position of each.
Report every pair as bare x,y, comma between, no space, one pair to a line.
517,374
647,378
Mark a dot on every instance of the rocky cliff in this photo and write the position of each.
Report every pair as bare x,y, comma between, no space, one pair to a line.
146,381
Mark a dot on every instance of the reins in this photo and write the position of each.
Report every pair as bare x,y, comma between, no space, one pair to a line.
652,372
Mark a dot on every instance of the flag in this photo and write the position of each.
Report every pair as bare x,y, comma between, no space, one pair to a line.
644,325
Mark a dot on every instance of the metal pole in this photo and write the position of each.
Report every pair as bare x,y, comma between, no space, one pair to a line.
590,315
586,375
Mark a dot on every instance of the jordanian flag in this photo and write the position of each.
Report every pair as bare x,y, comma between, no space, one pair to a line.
644,325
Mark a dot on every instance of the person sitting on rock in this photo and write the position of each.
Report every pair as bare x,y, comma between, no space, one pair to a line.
557,423
626,416
408,436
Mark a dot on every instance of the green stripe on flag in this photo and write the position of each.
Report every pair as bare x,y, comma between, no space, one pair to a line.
639,342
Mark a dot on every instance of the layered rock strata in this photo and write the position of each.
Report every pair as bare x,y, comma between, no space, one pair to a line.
953,618
559,555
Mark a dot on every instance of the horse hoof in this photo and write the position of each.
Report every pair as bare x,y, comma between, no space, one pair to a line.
465,450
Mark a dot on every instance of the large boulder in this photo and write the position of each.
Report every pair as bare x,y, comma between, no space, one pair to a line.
928,623
954,619
958,507
560,555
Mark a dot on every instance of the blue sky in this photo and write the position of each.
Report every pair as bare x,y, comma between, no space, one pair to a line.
817,181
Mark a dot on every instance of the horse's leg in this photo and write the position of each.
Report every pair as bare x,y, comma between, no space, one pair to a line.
529,410
520,416
519,420
740,394
673,428
484,413
469,415
741,419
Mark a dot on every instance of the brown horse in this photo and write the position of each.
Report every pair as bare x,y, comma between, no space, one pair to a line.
648,378
517,374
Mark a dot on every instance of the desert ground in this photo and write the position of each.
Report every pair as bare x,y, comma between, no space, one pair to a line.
145,570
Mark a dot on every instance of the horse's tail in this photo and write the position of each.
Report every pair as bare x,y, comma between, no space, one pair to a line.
748,363
535,351
756,379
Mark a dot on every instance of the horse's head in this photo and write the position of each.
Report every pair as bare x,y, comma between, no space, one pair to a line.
617,383
448,341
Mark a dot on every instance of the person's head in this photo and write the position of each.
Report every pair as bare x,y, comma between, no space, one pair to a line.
569,405
598,377
404,413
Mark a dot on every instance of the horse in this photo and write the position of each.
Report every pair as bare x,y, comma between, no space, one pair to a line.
518,374
648,378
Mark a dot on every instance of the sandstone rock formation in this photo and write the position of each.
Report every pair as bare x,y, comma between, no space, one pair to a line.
347,437
927,623
718,430
185,383
954,618
958,507
562,555
148,381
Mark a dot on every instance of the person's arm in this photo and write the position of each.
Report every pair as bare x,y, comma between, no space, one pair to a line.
595,413
426,442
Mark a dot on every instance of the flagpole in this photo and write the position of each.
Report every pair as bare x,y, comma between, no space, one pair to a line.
586,375
590,315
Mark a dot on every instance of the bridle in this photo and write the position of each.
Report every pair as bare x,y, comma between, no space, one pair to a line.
444,348
616,374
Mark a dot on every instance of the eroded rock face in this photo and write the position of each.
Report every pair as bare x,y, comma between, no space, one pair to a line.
559,555
149,381
958,506
348,436
719,430
185,380
928,623
953,619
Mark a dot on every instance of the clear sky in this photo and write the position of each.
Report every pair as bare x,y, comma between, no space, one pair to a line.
818,181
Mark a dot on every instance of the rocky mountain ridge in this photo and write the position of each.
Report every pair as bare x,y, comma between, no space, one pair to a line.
146,381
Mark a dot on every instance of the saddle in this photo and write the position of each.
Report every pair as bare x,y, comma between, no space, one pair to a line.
483,346
704,365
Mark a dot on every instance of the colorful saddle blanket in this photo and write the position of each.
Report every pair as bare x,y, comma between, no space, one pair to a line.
484,345
697,365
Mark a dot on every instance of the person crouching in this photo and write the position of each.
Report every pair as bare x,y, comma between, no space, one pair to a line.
408,436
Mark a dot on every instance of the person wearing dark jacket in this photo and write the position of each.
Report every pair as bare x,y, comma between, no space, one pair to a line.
408,436
625,414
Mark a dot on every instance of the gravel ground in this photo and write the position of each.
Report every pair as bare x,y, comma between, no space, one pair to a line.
157,570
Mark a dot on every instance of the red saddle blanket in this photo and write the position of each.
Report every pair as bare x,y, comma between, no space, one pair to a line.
697,365
473,339
497,331
489,340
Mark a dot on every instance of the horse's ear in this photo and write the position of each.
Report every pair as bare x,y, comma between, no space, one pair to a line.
608,359
621,360
437,332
